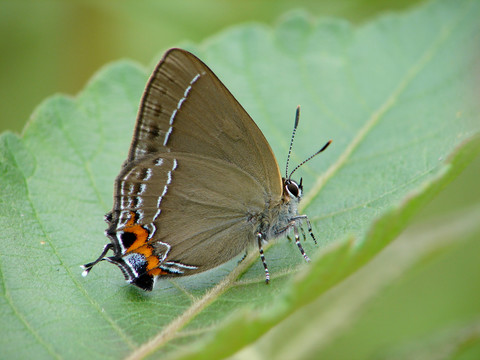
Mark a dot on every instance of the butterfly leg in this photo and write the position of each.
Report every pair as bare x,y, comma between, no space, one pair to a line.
297,241
303,233
305,217
243,257
260,249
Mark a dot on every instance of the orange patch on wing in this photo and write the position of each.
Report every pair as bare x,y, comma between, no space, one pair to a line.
145,250
140,246
156,272
141,234
152,262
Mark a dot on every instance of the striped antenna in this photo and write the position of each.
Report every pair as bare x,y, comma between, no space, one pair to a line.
297,118
310,158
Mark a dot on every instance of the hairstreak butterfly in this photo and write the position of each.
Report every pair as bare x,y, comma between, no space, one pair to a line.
200,183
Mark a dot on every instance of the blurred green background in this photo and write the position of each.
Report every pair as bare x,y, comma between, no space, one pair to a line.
52,46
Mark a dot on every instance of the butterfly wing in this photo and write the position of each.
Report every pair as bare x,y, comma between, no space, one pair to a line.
198,175
186,108
189,211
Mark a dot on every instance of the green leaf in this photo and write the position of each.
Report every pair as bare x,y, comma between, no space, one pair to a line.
396,95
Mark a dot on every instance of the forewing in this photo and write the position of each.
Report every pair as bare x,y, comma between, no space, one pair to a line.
186,108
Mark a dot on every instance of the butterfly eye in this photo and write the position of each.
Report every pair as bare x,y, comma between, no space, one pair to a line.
292,188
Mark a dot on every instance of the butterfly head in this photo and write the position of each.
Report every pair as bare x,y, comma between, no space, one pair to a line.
293,189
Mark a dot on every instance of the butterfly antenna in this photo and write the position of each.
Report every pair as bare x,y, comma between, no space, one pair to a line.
297,118
309,158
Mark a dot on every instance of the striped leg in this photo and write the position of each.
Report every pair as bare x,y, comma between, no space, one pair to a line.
305,217
297,241
243,257
303,233
260,249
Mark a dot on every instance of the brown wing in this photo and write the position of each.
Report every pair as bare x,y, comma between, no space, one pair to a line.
186,108
200,211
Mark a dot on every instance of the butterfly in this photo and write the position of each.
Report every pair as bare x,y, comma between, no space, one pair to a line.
200,183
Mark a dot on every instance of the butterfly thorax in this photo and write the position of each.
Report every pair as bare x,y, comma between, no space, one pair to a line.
278,218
